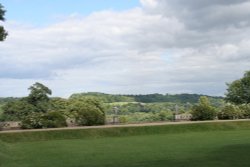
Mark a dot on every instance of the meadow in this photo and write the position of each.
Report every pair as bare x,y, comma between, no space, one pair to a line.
202,145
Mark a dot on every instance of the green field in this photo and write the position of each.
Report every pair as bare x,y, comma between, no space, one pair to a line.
195,145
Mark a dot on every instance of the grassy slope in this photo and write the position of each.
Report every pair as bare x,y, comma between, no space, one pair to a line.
209,144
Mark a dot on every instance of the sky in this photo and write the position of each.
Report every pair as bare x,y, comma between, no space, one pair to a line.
125,46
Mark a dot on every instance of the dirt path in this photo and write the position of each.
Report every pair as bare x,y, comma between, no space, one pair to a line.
124,125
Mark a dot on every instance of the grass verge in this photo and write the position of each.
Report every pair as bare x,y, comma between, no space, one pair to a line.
122,131
191,145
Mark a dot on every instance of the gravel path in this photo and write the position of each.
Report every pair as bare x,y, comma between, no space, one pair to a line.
123,125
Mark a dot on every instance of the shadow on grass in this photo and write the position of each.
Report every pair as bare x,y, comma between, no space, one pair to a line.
228,156
233,155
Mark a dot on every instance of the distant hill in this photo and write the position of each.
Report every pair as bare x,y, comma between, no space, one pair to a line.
4,100
149,98
7,99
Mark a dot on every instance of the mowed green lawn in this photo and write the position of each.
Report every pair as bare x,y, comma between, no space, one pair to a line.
211,145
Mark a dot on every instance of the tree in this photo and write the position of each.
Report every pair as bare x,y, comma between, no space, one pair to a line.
245,109
17,110
3,33
238,91
203,111
58,104
230,111
87,111
39,97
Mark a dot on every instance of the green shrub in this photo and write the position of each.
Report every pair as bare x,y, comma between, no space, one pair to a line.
164,116
230,112
87,111
34,120
245,109
44,120
16,110
123,119
53,120
203,111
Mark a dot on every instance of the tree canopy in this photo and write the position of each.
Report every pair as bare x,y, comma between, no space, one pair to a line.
38,110
238,91
203,111
87,111
3,33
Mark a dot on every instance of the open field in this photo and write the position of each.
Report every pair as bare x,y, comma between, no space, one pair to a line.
207,144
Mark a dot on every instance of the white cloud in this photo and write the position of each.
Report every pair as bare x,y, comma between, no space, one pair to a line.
164,47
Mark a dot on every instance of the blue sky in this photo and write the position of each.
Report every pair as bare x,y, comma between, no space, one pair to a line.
43,12
124,46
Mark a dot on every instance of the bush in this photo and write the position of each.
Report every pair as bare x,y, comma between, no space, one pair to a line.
123,119
230,112
53,120
164,116
44,120
87,111
245,109
16,110
34,120
203,111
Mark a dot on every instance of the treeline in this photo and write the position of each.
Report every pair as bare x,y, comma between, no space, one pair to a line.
7,99
149,98
38,110
106,98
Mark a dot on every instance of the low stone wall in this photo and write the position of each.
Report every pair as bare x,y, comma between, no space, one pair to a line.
183,117
10,125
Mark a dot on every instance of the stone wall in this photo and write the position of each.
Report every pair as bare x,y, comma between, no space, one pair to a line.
10,125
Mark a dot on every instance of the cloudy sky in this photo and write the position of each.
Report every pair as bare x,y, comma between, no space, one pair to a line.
125,46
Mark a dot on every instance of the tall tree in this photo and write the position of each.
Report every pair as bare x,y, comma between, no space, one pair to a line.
3,33
39,97
238,91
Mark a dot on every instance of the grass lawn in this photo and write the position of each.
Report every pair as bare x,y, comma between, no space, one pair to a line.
200,145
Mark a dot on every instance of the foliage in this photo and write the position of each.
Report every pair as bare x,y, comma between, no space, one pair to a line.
3,33
17,110
44,120
33,121
132,107
60,105
33,111
8,99
53,119
238,91
123,119
164,116
203,111
87,111
39,97
3,102
38,110
230,112
149,98
245,109
106,98
139,117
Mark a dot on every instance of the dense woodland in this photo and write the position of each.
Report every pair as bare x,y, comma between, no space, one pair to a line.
148,98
